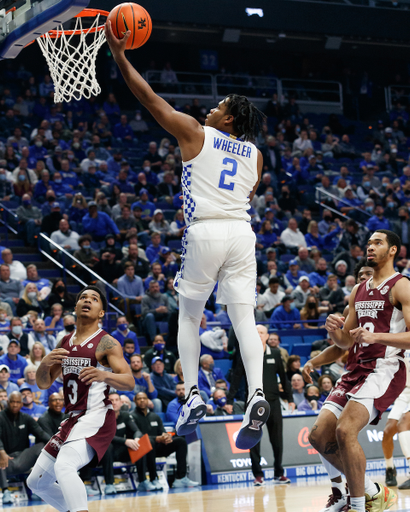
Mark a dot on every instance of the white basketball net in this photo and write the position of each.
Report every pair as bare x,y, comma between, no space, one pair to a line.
72,67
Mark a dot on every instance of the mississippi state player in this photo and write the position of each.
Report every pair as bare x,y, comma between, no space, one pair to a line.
91,362
377,323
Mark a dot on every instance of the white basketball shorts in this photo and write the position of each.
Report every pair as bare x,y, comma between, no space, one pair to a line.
220,251
401,405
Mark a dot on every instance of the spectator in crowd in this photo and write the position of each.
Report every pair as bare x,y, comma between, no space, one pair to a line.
138,124
156,273
10,289
311,312
42,336
31,300
123,131
272,369
208,375
158,350
293,275
350,257
50,420
43,284
332,295
55,319
29,406
69,327
17,269
401,227
15,362
15,428
40,395
50,222
125,221
141,265
274,342
325,384
298,390
179,377
131,287
286,316
154,308
174,406
153,157
271,298
378,221
292,237
65,237
293,366
222,407
60,295
122,332
37,352
162,442
5,383
16,333
143,382
163,382
108,268
319,278
86,254
305,263
301,292
98,224
312,400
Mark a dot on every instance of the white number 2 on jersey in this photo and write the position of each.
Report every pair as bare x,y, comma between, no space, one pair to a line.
369,327
74,391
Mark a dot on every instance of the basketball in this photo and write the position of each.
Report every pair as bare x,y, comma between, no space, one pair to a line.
134,17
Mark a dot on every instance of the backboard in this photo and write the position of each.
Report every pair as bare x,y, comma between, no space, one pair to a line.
28,20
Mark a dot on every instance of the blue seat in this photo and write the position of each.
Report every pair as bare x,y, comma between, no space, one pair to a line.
163,327
310,339
169,214
224,364
285,258
301,349
303,361
287,347
290,340
175,245
161,415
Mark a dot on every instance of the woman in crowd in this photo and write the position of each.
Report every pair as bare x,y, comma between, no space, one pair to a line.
178,224
312,400
311,312
77,209
159,224
60,295
179,378
31,301
325,384
163,147
22,185
11,158
266,237
323,243
37,352
293,366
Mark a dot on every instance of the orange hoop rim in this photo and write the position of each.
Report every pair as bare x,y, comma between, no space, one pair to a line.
85,13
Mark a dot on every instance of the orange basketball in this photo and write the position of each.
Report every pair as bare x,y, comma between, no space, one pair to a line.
134,17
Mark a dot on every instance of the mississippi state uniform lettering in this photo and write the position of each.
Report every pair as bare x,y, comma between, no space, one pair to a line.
376,371
91,416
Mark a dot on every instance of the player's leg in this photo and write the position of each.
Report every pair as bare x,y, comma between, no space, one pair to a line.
404,440
390,430
42,481
203,255
73,456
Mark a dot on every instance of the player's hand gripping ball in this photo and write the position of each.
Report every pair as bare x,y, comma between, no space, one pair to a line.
133,17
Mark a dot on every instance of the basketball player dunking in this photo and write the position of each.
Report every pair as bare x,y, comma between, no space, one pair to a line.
377,323
91,362
221,172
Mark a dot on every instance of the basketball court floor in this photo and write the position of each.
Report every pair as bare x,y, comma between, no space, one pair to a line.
302,495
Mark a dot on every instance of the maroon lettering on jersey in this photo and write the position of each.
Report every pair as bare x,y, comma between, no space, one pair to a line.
79,396
375,313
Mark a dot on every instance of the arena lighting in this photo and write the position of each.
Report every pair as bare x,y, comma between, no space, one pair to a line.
251,10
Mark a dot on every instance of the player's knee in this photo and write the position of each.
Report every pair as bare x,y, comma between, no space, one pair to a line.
37,482
342,433
314,439
62,467
389,431
32,482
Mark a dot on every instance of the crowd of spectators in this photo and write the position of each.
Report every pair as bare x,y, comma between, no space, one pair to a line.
106,187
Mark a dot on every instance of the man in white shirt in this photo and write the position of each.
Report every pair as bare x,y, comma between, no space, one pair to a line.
271,298
292,237
65,237
17,269
301,144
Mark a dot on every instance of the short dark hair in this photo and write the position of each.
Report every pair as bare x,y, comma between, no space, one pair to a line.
128,264
136,355
84,238
129,341
94,289
362,263
392,239
274,280
248,119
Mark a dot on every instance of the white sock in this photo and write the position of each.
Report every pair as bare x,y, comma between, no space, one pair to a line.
331,470
243,322
404,439
370,488
389,463
189,345
358,504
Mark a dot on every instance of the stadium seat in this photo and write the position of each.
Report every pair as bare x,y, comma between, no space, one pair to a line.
301,349
290,340
224,365
285,258
163,327
175,245
311,339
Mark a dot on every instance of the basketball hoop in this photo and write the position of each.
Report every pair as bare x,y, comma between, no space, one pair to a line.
72,66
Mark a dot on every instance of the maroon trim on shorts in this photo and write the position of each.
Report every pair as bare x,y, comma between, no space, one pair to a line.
103,438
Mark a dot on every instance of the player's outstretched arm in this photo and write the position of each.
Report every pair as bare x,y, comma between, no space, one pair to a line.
401,294
121,377
182,126
327,356
340,328
50,367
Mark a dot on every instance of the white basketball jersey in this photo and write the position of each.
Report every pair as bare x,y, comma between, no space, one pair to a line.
216,183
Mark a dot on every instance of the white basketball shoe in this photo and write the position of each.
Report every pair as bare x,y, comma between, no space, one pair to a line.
193,409
256,415
336,501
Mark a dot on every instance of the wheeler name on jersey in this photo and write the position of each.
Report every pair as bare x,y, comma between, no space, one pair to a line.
234,147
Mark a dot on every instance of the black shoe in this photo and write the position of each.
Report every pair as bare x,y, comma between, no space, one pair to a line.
405,485
391,474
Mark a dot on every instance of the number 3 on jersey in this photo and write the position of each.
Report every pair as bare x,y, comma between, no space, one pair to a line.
369,327
73,396
228,172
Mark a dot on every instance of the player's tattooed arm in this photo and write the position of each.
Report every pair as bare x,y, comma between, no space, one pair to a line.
107,342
